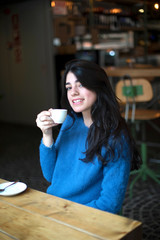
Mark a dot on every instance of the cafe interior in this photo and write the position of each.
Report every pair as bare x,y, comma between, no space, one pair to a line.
37,38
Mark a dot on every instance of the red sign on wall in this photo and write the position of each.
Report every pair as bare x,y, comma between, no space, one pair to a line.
16,38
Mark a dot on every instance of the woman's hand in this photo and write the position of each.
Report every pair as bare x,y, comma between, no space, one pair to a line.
45,123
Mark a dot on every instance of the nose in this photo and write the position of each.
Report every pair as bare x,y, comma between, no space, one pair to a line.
74,91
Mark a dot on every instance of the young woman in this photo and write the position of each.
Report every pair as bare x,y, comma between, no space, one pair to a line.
90,161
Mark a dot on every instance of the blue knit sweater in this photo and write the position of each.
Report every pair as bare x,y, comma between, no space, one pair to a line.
91,183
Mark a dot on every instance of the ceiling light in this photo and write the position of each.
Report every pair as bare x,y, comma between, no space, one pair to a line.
156,6
141,10
53,4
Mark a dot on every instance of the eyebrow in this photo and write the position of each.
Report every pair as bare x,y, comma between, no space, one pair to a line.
68,83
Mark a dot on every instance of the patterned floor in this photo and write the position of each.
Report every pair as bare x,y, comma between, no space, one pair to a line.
145,207
19,159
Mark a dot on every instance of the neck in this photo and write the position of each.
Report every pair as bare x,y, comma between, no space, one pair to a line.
87,119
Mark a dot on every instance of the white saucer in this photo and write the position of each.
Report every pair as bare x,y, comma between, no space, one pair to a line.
13,189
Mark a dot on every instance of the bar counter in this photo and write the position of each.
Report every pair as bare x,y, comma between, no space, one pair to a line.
134,72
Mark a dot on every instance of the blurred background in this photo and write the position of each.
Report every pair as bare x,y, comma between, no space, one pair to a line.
37,38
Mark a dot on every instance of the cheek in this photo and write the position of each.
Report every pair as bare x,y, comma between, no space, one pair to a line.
92,97
68,97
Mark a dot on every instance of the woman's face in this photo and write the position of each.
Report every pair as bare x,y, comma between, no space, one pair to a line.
80,98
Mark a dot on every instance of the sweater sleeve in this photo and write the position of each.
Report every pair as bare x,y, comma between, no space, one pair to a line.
114,184
47,160
48,155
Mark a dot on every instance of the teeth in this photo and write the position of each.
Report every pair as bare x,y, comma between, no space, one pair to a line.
75,101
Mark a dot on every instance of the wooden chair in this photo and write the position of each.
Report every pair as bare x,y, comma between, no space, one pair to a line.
130,92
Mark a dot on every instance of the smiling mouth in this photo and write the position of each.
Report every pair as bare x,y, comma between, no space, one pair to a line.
77,101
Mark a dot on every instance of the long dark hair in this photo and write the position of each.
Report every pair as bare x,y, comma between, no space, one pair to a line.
105,112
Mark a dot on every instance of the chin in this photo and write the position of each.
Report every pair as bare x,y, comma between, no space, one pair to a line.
77,110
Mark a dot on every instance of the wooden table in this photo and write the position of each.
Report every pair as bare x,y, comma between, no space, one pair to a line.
133,72
40,216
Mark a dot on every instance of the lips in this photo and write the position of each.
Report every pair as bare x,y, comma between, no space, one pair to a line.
77,101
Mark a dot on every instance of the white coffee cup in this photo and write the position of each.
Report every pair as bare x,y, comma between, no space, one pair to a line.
58,115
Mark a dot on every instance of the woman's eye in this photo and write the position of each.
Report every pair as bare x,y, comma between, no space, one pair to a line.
80,85
68,88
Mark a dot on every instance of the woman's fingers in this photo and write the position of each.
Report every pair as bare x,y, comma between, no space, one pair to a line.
44,121
43,114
